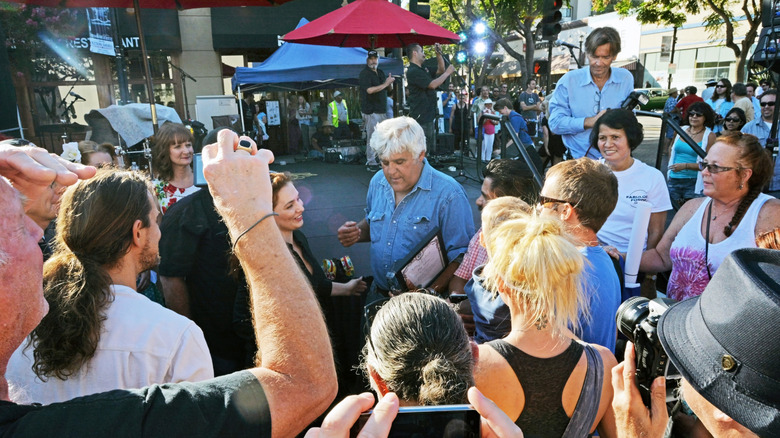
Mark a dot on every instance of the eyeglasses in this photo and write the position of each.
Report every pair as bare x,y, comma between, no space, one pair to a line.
767,104
714,168
694,114
732,120
597,105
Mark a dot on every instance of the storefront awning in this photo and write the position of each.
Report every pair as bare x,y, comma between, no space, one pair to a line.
506,69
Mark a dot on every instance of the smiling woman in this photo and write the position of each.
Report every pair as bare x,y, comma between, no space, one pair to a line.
172,160
616,134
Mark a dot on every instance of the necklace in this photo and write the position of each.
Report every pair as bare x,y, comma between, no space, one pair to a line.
695,133
725,210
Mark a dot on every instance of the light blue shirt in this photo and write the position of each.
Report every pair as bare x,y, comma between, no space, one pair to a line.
760,129
756,107
437,200
721,108
568,113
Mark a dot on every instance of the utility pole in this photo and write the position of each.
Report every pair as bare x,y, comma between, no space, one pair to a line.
671,57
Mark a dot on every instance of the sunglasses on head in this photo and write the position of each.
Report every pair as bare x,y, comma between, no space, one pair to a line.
767,104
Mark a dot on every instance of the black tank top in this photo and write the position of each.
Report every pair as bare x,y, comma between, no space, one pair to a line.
543,381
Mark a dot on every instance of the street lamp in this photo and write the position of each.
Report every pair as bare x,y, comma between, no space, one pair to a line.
479,28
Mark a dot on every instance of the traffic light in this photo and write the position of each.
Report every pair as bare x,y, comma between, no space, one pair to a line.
551,19
541,67
421,8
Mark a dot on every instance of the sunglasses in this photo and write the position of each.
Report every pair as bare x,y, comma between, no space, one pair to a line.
767,104
714,168
546,200
694,114
732,120
720,86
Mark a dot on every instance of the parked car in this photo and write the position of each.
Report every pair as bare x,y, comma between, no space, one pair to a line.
657,98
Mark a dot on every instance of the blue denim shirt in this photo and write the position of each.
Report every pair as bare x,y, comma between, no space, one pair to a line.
758,128
576,97
436,200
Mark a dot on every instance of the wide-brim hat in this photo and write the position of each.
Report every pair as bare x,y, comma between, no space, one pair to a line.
724,342
711,82
672,90
487,101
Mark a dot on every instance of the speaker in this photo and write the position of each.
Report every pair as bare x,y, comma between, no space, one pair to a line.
445,144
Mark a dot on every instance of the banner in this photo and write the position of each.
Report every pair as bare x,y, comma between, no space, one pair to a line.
666,48
101,39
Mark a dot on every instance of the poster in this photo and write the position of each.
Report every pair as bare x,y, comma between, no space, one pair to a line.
100,33
273,114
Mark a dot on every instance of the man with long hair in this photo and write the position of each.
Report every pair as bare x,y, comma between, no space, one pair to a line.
100,334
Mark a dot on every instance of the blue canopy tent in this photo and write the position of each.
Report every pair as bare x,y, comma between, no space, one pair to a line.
301,67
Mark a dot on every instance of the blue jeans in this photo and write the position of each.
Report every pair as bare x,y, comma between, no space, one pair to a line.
681,190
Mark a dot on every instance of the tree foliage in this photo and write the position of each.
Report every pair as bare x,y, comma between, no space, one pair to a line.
504,18
721,20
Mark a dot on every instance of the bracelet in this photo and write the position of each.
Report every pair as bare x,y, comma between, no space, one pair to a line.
252,226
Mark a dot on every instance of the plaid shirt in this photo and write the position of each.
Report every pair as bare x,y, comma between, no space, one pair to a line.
475,256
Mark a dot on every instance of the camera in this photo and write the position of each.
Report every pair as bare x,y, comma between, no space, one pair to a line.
637,319
634,100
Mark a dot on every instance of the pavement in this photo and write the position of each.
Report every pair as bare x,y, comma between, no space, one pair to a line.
334,193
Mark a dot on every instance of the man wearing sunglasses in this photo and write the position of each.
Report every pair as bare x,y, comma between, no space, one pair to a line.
761,126
583,193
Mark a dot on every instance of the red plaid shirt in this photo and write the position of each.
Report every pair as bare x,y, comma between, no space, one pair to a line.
476,255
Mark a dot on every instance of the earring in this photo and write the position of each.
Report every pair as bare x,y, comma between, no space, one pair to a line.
741,186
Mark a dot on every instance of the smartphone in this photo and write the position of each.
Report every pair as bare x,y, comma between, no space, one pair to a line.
429,421
457,298
200,180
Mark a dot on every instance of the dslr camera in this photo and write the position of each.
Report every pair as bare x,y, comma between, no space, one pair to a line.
637,319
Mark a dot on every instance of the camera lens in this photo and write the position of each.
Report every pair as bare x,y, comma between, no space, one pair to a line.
631,313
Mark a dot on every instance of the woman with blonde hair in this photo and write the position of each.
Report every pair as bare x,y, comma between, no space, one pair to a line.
551,384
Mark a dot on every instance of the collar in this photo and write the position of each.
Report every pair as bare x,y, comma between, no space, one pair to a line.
588,79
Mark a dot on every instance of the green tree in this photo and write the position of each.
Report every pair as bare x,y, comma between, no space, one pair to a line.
504,18
720,22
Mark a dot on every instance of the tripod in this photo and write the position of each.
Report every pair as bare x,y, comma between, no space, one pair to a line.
464,147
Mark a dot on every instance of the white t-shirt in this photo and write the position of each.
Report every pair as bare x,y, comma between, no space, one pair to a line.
639,182
141,343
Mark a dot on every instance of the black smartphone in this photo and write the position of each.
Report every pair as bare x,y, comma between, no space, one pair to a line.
429,422
200,180
457,298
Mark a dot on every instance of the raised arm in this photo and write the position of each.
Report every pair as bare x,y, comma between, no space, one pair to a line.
294,361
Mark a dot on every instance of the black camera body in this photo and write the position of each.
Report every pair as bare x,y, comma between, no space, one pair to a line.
637,318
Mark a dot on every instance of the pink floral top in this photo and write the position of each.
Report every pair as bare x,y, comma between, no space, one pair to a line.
168,194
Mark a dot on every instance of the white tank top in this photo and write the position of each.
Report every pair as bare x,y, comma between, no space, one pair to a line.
689,271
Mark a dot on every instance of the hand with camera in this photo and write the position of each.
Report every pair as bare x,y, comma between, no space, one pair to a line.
632,417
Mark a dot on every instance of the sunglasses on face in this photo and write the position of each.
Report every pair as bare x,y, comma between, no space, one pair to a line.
694,114
767,104
544,201
714,168
731,119
720,86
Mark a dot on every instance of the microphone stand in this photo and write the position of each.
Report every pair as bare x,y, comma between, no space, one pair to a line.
464,146
184,77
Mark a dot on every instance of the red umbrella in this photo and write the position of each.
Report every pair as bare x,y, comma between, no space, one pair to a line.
148,4
371,23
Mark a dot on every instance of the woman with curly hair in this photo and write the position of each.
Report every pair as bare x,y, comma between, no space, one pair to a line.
172,157
730,216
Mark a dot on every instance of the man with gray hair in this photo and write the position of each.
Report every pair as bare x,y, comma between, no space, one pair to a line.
405,202
582,96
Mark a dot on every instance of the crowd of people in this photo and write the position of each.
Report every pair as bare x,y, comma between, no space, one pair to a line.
240,338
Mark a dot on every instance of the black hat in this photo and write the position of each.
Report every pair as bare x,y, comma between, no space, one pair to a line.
372,54
724,342
711,83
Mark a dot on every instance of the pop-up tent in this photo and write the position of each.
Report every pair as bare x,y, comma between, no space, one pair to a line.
298,67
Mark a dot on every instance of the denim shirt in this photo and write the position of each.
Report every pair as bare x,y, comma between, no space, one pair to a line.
521,128
436,200
576,97
758,128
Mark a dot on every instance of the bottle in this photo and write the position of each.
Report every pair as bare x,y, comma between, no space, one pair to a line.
134,167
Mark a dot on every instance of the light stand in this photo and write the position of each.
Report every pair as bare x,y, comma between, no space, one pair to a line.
184,77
